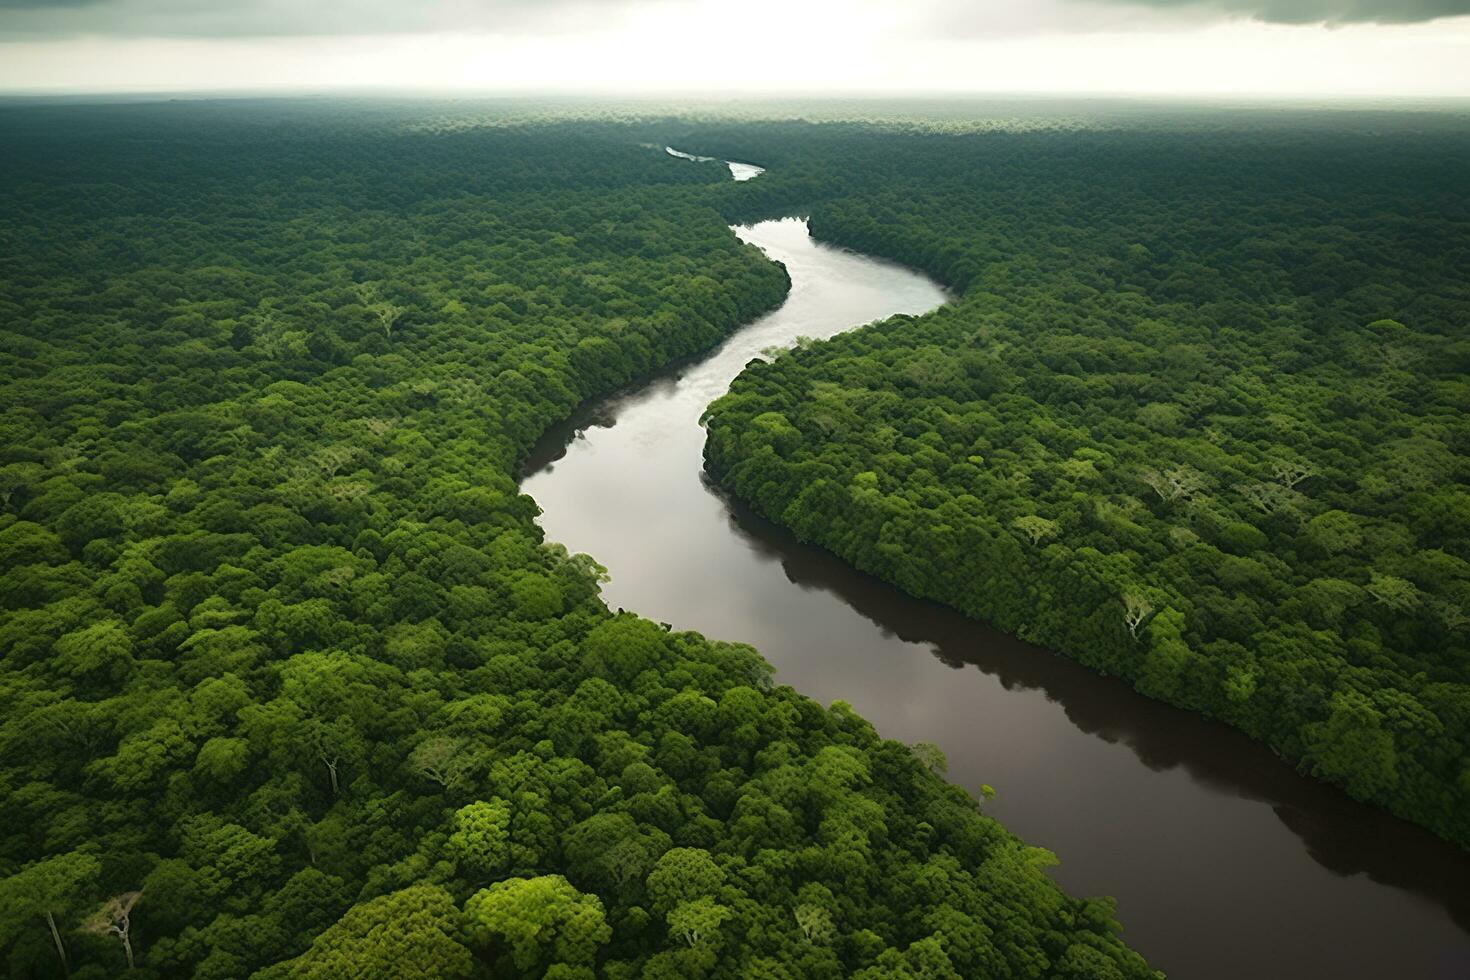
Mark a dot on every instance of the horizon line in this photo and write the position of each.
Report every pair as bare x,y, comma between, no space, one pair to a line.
41,93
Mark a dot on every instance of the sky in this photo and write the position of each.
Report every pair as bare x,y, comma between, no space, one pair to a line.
1295,48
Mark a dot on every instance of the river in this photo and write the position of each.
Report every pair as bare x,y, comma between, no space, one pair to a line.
1225,862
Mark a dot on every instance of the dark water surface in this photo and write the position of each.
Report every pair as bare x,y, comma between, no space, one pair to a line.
1225,862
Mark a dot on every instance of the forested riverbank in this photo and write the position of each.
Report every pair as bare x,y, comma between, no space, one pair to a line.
1197,419
292,686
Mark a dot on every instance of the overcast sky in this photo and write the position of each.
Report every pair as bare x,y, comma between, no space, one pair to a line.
1387,48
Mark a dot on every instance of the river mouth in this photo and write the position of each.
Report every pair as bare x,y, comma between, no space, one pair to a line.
1226,863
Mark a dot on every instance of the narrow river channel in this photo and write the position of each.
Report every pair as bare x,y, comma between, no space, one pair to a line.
1224,861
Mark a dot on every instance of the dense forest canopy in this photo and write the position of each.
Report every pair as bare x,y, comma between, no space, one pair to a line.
1196,417
290,684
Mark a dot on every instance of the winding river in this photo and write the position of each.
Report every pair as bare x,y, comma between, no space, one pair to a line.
1225,862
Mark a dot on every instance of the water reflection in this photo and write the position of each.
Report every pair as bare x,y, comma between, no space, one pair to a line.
740,171
1341,834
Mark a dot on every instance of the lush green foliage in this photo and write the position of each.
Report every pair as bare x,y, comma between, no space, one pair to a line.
283,648
1197,417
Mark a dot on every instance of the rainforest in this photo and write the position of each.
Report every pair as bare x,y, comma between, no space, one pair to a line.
294,682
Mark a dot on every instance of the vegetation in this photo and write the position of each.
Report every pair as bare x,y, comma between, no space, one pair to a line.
290,685
1196,417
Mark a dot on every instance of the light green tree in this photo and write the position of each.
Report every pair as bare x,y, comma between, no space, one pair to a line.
815,923
698,921
411,934
114,918
538,922
683,874
47,890
481,839
1036,529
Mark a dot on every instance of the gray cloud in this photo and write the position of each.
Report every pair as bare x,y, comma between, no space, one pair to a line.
1319,11
1007,18
35,19
288,18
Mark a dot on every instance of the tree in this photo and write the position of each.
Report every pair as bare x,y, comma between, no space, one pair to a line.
535,596
1395,593
931,757
697,921
1037,529
1289,471
413,933
102,648
1176,483
1352,747
1136,610
17,478
480,842
623,647
329,460
330,741
388,314
815,923
1453,617
1334,531
683,874
442,759
609,850
1269,498
28,543
222,759
115,918
538,921
47,889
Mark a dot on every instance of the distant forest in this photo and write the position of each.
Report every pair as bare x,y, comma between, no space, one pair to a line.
1197,416
290,684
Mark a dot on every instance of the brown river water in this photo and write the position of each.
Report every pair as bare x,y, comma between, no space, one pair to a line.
1226,862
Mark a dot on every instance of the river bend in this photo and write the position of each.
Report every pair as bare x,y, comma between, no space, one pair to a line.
1225,862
